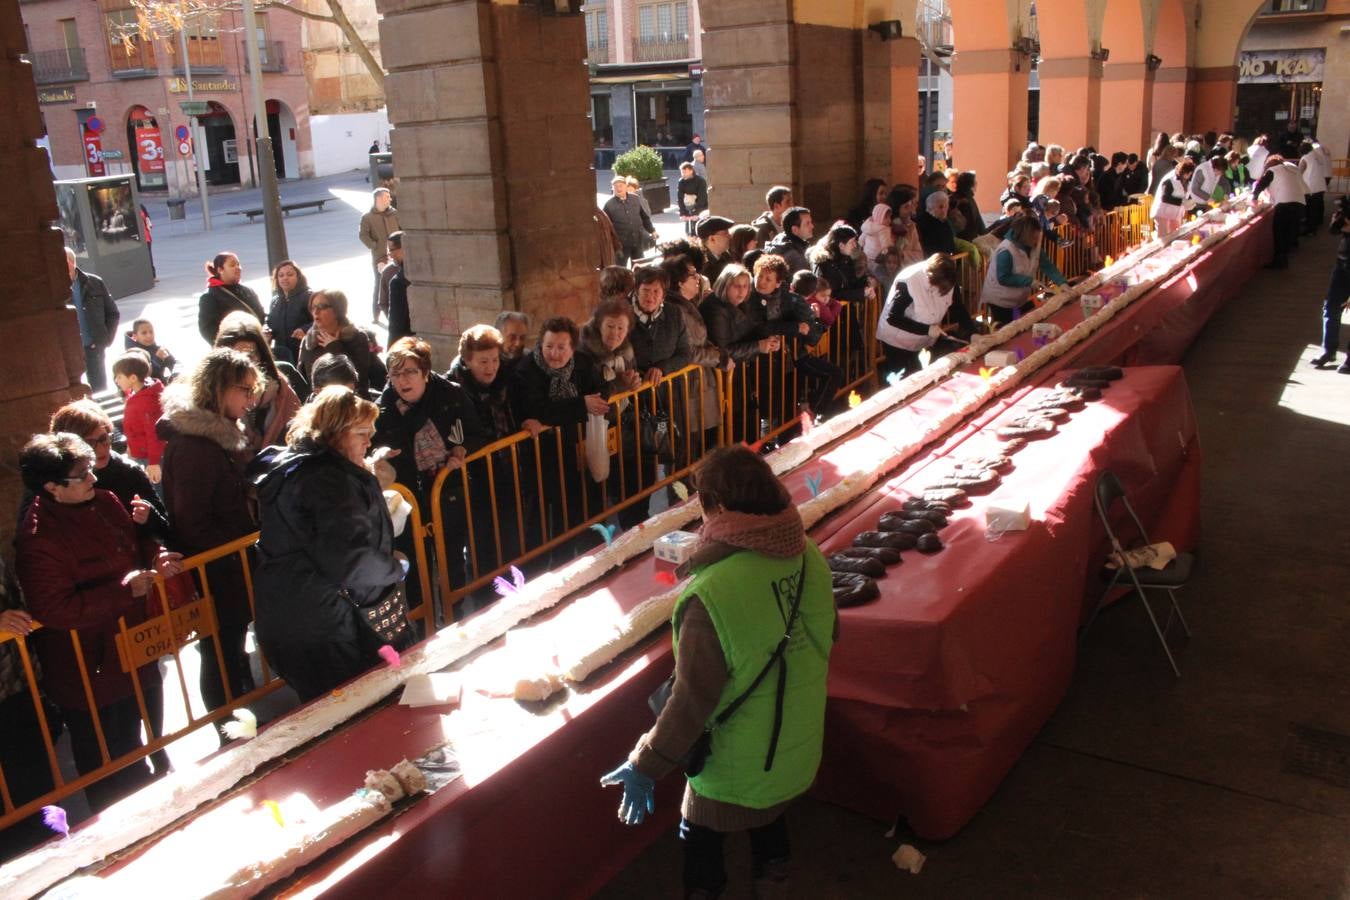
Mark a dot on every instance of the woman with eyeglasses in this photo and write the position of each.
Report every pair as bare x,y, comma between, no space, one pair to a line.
332,333
326,550
209,499
83,566
124,477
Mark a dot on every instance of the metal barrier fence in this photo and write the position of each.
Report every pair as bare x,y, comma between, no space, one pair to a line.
524,497
142,645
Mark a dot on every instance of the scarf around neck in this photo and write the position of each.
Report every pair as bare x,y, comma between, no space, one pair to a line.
644,317
780,535
560,384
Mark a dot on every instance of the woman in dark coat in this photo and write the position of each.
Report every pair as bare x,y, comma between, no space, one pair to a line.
83,567
732,327
278,402
479,371
832,259
556,386
289,316
209,498
331,332
660,342
224,294
433,425
963,202
326,550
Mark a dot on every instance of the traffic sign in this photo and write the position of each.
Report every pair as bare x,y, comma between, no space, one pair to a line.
185,148
181,132
94,124
194,107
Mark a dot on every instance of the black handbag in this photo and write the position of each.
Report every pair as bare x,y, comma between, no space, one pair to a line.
387,617
656,430
697,757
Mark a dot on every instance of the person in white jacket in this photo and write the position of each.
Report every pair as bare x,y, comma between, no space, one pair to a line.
1315,170
1285,183
1172,200
911,319
1206,179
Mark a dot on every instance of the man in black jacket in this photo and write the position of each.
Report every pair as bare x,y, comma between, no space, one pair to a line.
935,232
798,229
400,316
98,316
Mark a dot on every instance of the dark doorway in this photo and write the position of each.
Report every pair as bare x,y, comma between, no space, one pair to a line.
222,153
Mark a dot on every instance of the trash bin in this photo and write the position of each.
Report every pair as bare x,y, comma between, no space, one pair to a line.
177,209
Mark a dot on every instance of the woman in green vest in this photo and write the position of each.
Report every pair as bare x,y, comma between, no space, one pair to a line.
752,636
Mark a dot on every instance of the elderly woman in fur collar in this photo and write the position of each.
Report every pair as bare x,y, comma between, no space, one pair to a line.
209,499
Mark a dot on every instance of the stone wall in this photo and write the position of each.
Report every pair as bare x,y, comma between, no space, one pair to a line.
42,363
493,143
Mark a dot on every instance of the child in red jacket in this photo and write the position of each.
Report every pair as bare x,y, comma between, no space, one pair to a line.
131,374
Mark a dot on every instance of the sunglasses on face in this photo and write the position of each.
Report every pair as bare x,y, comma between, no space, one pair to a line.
320,307
78,477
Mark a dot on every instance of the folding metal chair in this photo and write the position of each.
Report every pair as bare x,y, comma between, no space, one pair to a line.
1145,578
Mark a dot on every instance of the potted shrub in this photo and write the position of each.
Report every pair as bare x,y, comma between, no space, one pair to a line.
644,164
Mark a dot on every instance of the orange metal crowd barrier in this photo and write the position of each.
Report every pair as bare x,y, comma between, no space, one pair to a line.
143,645
520,499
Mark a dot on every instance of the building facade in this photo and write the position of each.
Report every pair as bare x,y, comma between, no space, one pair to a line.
1292,65
646,75
110,97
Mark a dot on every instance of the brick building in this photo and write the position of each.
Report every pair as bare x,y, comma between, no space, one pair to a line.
88,74
646,75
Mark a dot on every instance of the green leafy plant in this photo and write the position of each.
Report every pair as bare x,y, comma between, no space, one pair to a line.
642,162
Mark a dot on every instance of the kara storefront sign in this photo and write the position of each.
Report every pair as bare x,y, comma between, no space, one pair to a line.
205,85
1280,66
56,95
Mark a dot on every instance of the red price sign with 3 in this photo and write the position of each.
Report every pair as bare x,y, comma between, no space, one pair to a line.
93,154
150,149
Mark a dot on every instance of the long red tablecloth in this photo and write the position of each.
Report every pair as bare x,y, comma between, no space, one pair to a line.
935,690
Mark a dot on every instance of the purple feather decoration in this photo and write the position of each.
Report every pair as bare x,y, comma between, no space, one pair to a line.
1017,313
54,817
1020,354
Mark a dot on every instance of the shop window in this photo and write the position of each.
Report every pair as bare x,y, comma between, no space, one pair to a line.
663,21
663,118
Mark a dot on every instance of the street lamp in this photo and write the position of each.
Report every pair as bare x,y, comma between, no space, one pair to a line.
267,167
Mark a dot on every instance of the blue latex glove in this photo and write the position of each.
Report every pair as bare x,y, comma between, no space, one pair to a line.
639,793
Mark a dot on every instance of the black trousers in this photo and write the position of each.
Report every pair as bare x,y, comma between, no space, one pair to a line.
121,723
1313,212
27,773
704,866
1288,221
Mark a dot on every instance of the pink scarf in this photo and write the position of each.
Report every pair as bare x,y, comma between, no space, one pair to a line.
781,535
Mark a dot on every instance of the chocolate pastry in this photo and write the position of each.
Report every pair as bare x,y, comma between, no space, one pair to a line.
1027,428
853,590
1079,381
898,521
874,568
1012,445
1106,373
929,543
897,540
970,482
995,462
951,497
1053,413
889,556
936,517
1088,393
1061,398
915,503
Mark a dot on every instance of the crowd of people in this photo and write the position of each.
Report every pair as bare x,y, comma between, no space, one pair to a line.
272,429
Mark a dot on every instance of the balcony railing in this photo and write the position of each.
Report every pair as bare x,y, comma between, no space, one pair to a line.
660,49
55,66
204,55
598,53
271,55
136,61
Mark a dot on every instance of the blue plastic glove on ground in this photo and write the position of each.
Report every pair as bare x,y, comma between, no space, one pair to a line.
639,797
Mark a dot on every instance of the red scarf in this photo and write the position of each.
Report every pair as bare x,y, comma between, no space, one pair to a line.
213,281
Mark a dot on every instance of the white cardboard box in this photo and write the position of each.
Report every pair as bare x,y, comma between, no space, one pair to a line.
675,547
997,359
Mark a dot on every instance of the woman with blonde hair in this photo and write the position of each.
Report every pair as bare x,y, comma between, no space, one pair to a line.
326,551
209,502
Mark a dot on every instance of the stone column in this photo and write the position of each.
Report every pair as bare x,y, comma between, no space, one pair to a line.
890,98
42,363
1071,101
748,89
990,120
493,149
1172,99
1126,108
1215,99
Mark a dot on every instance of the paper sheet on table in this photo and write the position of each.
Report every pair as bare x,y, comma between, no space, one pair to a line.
436,689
